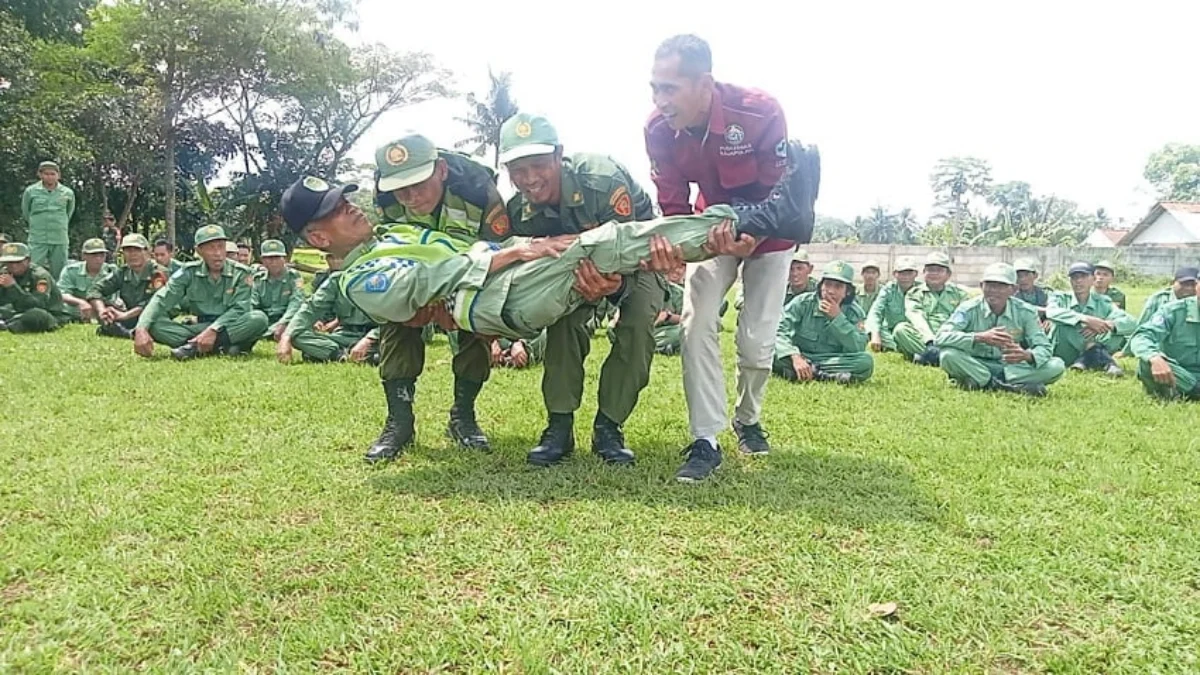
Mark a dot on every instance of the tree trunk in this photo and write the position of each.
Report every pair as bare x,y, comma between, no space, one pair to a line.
170,174
128,209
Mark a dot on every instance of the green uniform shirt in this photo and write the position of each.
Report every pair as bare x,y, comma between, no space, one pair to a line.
596,189
1019,319
1116,295
1173,332
192,289
804,329
867,300
278,298
48,212
1155,302
927,309
74,279
888,309
1039,296
471,208
793,293
134,289
34,290
329,301
1063,309
174,266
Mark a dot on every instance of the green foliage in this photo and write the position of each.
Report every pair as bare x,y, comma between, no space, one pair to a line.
51,20
1175,172
486,117
829,230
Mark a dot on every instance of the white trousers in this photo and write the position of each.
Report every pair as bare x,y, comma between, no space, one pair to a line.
764,281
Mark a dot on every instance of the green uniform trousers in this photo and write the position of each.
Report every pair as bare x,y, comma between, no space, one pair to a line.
51,256
625,372
1069,343
243,332
1186,381
860,366
965,368
668,338
318,346
402,353
34,320
906,340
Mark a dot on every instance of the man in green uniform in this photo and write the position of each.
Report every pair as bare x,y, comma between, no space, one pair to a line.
926,308
1183,287
870,289
1028,289
418,183
668,328
78,277
333,263
887,311
278,289
217,291
134,283
245,254
47,206
799,280
110,235
519,354
1168,351
30,301
996,342
820,335
349,335
569,195
1086,327
1105,273
164,255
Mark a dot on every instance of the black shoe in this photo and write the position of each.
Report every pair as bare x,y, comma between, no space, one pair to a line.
752,440
1114,369
463,428
185,353
557,442
237,350
932,356
114,330
1079,365
3,326
1034,390
702,460
824,376
789,211
399,429
609,443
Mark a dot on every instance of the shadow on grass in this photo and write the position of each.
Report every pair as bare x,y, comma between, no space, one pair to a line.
828,487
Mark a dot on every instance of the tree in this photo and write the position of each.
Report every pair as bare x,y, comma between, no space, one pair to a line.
828,229
52,20
955,182
486,118
882,227
1175,172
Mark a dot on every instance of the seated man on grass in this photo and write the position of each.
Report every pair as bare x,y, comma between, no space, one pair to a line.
820,335
134,283
1168,351
995,341
887,311
1086,327
926,308
77,278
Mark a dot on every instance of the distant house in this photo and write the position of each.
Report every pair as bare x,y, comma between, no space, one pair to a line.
1103,237
1167,224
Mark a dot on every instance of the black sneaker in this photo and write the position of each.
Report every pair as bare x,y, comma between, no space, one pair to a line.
752,440
702,460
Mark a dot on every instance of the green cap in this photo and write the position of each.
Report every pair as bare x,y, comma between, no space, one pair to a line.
1025,265
871,263
800,255
1001,273
524,135
405,161
14,252
905,265
838,270
3,238
134,241
271,248
210,233
231,246
1105,265
94,246
938,258
48,165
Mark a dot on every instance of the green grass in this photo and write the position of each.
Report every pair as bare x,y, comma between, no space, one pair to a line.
216,516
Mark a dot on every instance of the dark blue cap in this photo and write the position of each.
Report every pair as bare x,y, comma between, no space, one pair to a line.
311,198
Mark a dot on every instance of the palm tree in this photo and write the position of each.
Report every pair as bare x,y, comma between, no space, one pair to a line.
486,117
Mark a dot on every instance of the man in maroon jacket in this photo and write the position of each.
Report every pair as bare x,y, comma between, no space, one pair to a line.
731,142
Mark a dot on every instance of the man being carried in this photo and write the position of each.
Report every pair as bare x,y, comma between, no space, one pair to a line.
887,311
1168,351
926,308
278,289
1086,327
78,277
30,301
995,341
820,336
134,283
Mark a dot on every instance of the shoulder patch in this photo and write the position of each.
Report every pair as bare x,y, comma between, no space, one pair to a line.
377,283
43,286
497,220
621,203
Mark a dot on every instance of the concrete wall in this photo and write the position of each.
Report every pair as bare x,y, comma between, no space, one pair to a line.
969,262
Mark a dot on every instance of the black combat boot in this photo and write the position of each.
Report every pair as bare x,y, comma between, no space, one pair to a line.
789,211
399,429
1104,359
1034,390
932,356
114,330
825,376
463,428
185,353
609,442
557,442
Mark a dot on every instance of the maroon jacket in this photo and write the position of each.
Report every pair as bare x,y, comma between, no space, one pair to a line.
742,153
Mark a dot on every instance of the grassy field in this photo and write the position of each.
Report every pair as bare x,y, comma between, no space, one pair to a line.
216,516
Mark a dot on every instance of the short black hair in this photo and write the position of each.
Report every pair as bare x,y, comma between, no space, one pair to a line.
163,242
695,57
244,245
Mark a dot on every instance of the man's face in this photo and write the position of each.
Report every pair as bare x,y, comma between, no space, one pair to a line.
243,255
834,291
1026,280
49,177
905,278
109,222
799,273
340,231
1103,278
1081,282
676,274
870,277
1184,289
936,277
275,264
212,253
135,257
538,177
996,295
93,261
18,268
424,197
683,101
162,255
